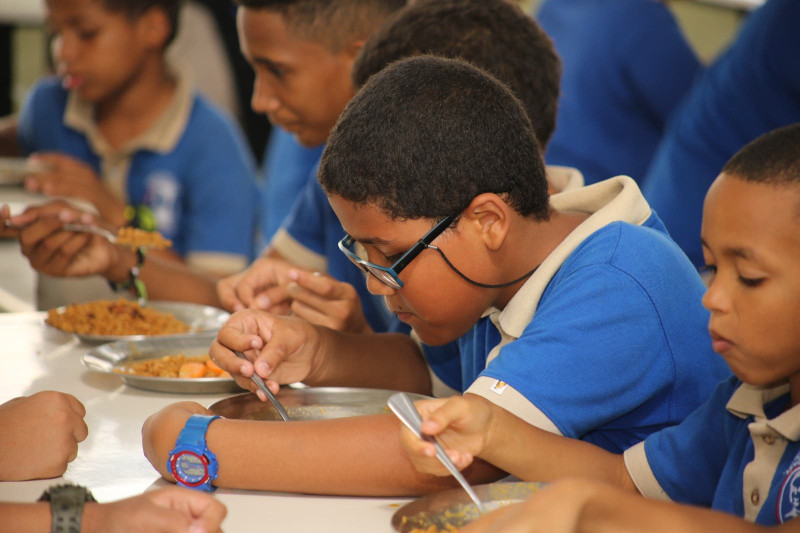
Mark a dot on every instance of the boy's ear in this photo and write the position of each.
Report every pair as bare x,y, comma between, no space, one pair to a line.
155,27
490,217
351,50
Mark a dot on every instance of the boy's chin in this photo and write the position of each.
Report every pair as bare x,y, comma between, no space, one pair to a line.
433,337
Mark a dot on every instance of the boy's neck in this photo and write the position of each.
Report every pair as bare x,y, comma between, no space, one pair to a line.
536,240
133,110
794,389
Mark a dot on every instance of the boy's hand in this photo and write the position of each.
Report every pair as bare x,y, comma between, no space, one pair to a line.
40,435
325,301
279,349
160,432
462,424
66,253
261,286
169,510
68,176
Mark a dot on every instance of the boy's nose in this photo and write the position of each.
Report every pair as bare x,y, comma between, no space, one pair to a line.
715,299
264,100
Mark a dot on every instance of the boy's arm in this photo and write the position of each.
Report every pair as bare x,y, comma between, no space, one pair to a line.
470,426
580,505
354,456
70,254
289,349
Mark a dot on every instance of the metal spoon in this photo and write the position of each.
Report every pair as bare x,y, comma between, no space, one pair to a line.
403,407
268,393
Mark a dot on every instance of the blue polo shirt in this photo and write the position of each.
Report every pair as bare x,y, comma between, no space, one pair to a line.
752,89
201,190
607,342
626,65
722,457
310,237
286,171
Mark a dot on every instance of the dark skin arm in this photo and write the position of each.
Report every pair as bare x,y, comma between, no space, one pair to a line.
69,254
348,456
581,505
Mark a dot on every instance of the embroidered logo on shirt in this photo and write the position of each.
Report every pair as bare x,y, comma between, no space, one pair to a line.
162,196
499,386
788,505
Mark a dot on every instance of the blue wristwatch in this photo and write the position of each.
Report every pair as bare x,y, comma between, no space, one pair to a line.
191,462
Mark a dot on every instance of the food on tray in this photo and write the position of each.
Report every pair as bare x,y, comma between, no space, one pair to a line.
135,237
174,366
122,317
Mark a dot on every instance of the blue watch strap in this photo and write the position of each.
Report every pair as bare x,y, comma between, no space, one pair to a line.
194,432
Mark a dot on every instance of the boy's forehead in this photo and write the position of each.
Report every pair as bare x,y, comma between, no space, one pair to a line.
266,31
75,10
365,222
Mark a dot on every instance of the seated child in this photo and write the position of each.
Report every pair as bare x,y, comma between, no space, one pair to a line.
737,453
122,130
494,35
574,312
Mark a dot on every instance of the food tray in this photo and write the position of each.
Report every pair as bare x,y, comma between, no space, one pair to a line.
310,403
454,508
201,319
108,356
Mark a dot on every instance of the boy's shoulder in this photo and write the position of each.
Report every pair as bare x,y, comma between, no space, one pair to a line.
47,96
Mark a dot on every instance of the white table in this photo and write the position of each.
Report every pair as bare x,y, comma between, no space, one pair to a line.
110,461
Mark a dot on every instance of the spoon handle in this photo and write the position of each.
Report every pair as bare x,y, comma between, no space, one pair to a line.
402,406
268,393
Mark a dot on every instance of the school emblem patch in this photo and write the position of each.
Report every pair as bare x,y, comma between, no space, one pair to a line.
788,505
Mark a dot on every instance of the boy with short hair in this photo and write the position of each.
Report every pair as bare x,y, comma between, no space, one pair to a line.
124,131
739,452
574,312
494,35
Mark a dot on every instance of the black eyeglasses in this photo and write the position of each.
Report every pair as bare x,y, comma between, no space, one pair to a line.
390,275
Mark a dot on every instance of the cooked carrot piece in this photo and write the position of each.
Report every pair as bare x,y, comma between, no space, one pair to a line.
212,366
192,370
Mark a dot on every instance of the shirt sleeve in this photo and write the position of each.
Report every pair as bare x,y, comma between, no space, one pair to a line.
301,238
593,357
684,463
220,203
33,107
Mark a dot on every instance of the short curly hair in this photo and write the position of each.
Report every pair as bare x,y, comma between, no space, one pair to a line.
494,35
772,158
426,135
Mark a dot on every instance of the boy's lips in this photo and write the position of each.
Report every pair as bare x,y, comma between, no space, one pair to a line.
719,343
72,81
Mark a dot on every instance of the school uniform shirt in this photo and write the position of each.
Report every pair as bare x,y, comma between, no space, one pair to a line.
606,342
738,453
191,169
287,167
751,89
626,66
311,233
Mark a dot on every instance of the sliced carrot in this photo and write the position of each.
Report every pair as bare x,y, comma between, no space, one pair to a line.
192,370
212,366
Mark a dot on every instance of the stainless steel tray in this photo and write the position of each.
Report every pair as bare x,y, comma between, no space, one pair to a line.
311,403
108,356
454,508
201,319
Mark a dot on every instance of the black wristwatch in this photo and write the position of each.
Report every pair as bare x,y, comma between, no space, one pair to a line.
66,505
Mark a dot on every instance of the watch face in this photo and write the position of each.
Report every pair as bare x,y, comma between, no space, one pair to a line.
189,468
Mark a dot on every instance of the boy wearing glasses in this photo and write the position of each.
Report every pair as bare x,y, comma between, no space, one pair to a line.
576,313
